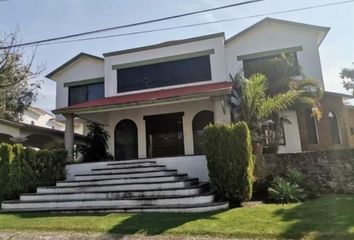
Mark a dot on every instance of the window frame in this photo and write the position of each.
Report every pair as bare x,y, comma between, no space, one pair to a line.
86,86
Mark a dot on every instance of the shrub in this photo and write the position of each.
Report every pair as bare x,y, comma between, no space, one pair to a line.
230,162
22,170
96,147
288,189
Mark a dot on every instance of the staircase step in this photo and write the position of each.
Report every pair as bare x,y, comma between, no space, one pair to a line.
185,191
205,207
122,180
91,176
118,187
199,199
129,169
141,163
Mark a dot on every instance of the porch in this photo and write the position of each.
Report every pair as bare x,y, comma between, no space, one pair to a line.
155,124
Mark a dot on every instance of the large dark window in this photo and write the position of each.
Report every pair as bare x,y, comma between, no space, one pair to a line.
200,121
184,71
266,65
83,93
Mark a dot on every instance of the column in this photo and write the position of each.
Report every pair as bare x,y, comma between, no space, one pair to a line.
221,110
69,135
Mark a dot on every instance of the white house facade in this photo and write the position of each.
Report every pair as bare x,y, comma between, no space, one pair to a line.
154,101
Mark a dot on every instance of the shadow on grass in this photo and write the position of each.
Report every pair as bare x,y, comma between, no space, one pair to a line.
157,223
327,218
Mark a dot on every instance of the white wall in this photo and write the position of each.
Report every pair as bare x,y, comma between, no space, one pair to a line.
217,61
82,69
41,119
292,134
190,109
273,36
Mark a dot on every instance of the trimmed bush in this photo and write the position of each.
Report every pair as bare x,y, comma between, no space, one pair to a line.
22,170
230,161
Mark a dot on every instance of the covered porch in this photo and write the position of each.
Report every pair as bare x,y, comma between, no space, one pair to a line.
156,124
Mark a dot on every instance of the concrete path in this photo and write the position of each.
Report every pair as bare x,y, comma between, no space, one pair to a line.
91,236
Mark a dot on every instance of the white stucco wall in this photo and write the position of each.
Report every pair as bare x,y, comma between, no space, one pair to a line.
273,36
82,69
42,119
190,109
217,62
292,134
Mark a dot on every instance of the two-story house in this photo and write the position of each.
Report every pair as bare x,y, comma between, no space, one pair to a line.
155,100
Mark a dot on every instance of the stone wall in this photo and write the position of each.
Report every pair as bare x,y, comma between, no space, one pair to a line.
325,171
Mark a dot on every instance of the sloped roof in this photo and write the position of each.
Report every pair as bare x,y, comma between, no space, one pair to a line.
150,97
72,60
324,30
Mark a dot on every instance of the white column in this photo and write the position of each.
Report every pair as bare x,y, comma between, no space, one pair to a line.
188,133
69,135
221,111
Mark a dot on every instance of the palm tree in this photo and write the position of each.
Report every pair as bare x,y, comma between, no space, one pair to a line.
251,104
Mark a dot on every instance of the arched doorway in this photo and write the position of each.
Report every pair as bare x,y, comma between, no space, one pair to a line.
200,121
126,140
334,128
311,127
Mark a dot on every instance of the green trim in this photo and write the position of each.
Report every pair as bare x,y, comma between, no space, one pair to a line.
84,82
165,44
269,53
163,59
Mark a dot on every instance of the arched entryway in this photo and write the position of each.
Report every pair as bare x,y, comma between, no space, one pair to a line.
126,140
200,121
334,128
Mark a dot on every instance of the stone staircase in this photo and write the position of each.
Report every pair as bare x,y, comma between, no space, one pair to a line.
121,186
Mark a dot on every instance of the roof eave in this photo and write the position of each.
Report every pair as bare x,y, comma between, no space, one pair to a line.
72,60
111,107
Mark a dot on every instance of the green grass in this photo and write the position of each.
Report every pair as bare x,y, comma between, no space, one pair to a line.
329,217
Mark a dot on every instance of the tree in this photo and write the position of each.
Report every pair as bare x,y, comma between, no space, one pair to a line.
96,144
283,74
347,75
252,105
18,88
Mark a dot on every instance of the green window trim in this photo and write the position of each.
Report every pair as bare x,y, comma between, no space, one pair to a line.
84,82
269,53
163,59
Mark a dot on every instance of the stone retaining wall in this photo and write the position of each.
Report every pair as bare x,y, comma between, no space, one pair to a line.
325,171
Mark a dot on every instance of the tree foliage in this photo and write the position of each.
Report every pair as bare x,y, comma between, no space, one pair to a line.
347,75
18,84
96,144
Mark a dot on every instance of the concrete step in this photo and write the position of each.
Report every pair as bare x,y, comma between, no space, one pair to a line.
205,207
185,191
137,163
119,187
186,200
93,176
122,180
130,169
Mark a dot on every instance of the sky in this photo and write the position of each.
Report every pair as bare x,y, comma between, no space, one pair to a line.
41,19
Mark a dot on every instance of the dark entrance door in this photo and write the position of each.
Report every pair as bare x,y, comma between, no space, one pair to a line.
126,140
164,135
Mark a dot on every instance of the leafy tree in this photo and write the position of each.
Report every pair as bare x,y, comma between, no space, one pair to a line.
279,71
347,75
252,105
96,144
18,88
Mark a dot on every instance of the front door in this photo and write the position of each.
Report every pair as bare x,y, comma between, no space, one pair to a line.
164,135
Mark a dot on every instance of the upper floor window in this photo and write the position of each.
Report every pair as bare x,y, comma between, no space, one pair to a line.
176,72
285,63
84,93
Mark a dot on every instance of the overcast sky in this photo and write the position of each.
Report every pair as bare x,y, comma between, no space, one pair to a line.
39,19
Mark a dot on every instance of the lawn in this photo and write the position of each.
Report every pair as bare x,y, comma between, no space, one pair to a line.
328,217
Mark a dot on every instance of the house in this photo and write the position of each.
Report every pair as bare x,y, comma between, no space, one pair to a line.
155,100
37,129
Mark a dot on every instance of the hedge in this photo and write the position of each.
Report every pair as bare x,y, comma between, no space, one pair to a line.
22,170
230,161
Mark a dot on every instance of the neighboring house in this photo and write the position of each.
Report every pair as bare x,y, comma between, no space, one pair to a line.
37,129
155,101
